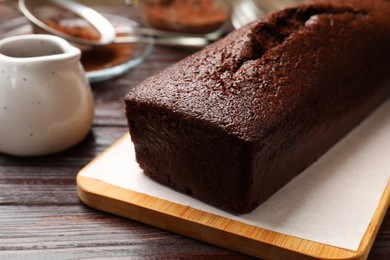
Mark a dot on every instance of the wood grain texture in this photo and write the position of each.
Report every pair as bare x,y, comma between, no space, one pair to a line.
41,216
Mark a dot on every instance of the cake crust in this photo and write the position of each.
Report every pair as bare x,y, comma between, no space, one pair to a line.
236,121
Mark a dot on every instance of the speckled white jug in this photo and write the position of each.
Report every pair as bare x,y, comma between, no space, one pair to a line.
46,103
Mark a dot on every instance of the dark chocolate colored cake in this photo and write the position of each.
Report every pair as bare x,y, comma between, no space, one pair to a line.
236,121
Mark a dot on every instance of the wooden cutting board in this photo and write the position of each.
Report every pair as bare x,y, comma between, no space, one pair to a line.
211,228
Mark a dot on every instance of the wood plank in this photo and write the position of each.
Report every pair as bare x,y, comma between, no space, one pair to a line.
77,232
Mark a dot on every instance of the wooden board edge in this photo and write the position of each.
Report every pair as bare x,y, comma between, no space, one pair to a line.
214,229
375,223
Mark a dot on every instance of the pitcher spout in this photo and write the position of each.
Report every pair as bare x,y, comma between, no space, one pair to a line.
41,48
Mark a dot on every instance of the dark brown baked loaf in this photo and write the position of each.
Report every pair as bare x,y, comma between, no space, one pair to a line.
236,121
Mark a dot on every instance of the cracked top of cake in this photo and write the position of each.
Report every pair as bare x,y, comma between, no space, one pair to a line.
272,69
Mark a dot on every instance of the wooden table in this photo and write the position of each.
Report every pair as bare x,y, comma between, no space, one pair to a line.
41,216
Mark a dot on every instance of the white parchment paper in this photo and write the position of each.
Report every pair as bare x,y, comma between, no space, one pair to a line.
332,202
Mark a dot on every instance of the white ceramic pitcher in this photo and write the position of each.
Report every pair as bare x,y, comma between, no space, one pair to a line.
46,103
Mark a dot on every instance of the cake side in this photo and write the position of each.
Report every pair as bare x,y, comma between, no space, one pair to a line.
234,122
192,157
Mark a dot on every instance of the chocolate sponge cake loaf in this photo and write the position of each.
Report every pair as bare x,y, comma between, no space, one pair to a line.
234,122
